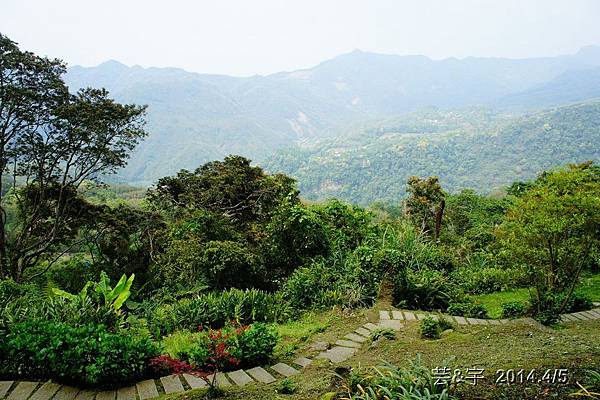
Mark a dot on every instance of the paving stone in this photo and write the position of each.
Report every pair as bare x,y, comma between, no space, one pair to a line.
107,395
384,314
596,312
45,392
261,375
391,323
370,326
319,346
397,315
348,343
596,304
460,320
363,331
85,395
434,317
22,391
589,314
409,316
220,380
420,317
126,393
472,321
286,370
356,338
567,317
194,382
482,321
494,322
577,316
504,321
303,361
240,377
66,393
337,354
171,384
4,387
147,389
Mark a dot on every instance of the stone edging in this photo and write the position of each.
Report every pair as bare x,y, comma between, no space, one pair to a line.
343,349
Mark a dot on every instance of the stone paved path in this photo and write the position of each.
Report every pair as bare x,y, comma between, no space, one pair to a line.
343,349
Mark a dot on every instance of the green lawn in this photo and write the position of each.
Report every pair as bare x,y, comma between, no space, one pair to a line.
493,301
590,286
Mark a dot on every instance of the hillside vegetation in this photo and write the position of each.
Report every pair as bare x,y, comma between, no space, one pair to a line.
473,148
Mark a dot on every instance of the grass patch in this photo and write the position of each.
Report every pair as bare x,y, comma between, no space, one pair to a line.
590,286
493,301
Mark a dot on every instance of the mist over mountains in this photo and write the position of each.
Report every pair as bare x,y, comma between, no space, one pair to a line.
194,118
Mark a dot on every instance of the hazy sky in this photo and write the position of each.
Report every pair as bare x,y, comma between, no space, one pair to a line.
245,37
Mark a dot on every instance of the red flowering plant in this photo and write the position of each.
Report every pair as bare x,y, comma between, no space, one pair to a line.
215,352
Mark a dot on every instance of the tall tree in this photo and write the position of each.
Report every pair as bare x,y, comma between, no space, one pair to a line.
50,142
425,204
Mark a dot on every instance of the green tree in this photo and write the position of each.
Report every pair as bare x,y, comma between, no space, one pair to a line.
50,142
425,204
552,230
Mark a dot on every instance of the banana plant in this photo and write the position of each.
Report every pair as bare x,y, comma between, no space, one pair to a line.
118,295
113,297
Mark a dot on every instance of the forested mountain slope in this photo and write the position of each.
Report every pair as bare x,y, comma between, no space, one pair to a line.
194,118
471,148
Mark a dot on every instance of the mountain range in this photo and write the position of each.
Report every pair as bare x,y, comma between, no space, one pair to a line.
194,118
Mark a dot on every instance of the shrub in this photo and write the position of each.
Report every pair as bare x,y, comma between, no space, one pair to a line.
216,309
388,381
430,328
467,308
577,302
286,386
485,280
386,333
513,309
254,345
445,323
425,289
85,355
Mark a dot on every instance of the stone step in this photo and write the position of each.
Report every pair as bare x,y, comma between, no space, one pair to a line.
302,361
384,314
337,354
596,312
391,324
22,391
261,375
240,377
171,384
147,389
126,393
409,316
66,393
370,326
106,395
356,338
363,331
45,392
220,379
460,320
194,382
85,395
285,369
493,322
5,387
348,343
397,315
590,314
